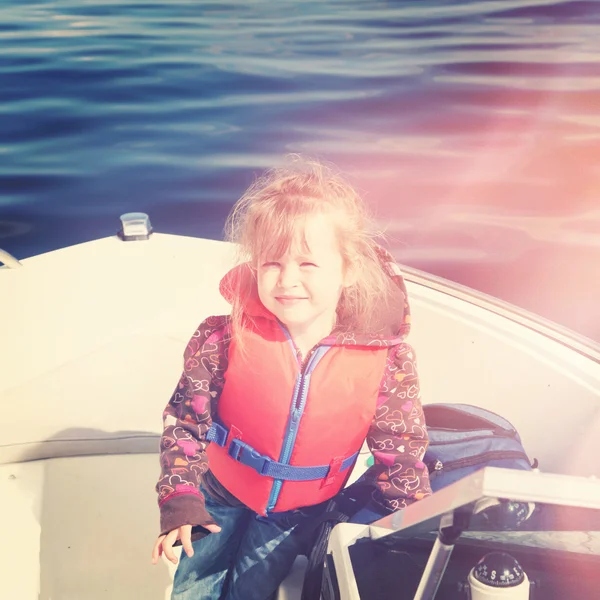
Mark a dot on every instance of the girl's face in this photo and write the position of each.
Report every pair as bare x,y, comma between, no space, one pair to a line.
302,288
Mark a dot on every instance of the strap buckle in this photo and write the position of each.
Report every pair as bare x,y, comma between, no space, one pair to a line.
245,454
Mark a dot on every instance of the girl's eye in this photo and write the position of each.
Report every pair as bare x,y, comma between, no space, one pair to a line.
276,264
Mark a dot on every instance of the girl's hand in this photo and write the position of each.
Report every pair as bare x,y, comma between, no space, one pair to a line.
184,533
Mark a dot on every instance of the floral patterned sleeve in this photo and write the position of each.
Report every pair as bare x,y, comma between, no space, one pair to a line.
397,437
186,420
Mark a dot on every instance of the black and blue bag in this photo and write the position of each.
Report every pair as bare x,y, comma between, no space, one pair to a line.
462,439
465,438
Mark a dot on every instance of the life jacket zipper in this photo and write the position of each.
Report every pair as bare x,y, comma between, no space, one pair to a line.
297,408
435,466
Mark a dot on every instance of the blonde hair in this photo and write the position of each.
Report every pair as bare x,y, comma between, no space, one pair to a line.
265,220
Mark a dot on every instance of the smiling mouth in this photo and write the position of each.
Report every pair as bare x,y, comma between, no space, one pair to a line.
289,299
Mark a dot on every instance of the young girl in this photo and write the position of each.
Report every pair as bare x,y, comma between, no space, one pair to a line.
276,399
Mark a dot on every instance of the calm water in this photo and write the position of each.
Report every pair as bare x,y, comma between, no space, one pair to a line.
472,127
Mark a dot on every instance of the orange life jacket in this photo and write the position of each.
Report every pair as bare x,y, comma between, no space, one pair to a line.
286,436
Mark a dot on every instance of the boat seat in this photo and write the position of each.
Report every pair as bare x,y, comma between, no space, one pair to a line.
105,417
291,588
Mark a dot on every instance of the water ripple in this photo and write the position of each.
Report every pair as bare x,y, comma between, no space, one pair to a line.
482,111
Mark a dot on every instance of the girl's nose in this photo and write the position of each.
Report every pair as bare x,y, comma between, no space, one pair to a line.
288,276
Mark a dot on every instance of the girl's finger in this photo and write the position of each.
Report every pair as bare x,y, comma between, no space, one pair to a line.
213,528
167,546
157,550
186,539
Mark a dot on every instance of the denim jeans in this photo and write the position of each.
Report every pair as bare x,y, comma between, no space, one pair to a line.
247,560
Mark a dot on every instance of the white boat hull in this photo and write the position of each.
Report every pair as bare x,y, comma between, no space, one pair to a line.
91,348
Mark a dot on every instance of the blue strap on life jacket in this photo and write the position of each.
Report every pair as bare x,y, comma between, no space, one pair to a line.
245,454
